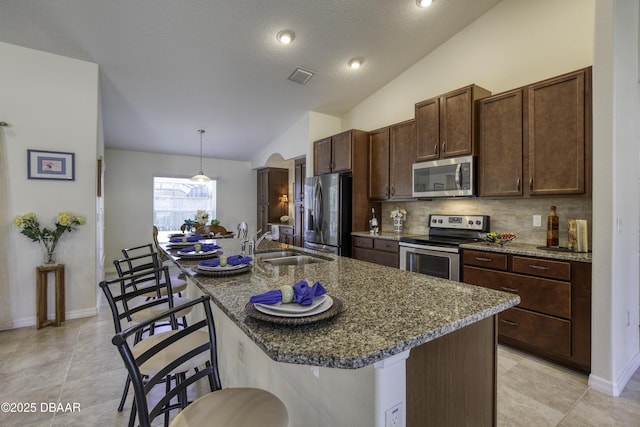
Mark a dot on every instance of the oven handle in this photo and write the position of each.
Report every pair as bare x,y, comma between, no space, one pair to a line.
427,249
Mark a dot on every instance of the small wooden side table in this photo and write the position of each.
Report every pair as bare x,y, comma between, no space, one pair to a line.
41,295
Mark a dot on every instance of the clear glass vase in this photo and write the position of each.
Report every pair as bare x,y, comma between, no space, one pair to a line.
49,250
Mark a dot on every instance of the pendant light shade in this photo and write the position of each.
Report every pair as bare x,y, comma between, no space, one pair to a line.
201,177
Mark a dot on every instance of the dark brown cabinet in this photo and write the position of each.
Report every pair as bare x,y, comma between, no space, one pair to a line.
391,154
445,124
300,174
376,250
500,145
348,152
553,319
536,140
272,184
559,134
335,153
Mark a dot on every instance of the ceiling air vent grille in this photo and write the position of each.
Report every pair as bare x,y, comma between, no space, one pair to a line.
300,75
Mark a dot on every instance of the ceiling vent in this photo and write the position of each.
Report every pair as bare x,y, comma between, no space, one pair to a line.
300,75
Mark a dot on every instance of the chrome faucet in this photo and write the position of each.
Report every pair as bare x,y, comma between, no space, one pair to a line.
253,243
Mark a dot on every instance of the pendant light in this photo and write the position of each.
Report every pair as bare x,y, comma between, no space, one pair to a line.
201,177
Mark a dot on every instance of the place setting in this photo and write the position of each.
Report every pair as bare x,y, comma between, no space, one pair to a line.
199,251
299,304
223,265
184,241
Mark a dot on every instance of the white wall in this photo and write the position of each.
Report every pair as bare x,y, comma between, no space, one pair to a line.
297,141
615,354
50,103
129,194
515,43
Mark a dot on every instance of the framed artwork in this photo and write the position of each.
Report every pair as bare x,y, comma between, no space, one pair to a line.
51,165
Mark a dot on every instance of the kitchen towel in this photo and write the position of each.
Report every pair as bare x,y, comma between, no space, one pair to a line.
303,294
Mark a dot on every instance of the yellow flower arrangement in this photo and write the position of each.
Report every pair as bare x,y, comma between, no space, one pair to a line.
30,227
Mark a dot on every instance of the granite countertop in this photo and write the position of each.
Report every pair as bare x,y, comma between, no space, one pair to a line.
385,310
528,250
386,235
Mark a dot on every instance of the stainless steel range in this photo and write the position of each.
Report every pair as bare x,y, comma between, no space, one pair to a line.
438,253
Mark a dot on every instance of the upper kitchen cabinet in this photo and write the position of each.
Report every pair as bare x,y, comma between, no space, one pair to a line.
335,153
272,184
391,154
500,145
559,134
445,124
536,140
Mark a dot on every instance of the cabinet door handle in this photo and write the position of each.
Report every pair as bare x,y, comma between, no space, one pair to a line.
393,191
444,147
530,183
483,259
518,184
538,267
509,322
511,290
435,149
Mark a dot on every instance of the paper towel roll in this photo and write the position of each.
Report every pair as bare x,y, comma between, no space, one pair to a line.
275,232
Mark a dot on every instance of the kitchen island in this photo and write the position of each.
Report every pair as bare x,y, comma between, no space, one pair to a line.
423,345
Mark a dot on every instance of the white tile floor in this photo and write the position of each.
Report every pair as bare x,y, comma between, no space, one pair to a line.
63,365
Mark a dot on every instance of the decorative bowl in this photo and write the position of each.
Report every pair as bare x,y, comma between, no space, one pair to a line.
499,238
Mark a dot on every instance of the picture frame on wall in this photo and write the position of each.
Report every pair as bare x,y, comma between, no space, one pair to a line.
51,165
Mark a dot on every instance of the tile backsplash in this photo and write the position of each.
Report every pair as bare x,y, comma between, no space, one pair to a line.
507,215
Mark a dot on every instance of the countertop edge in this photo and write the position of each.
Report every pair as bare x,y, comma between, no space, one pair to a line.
528,249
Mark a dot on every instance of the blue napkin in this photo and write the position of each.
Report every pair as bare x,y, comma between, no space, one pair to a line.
203,248
190,239
303,294
232,260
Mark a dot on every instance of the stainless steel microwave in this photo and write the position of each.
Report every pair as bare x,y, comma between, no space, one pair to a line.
454,177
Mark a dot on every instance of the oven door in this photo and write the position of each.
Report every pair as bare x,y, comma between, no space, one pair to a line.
443,262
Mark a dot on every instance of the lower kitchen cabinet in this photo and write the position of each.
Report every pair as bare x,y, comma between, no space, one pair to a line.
553,319
376,250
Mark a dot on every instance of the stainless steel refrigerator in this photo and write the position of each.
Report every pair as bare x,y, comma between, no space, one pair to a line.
327,213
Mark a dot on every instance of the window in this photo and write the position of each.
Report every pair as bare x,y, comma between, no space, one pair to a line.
177,199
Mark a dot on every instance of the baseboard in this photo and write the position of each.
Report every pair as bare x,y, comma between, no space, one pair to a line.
69,315
616,387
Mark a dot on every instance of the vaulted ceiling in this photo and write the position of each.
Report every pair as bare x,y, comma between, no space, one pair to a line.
169,68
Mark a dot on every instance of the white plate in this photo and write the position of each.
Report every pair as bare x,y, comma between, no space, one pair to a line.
181,252
294,307
324,306
218,268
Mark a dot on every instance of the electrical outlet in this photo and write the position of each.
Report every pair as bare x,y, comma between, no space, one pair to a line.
537,221
393,416
241,351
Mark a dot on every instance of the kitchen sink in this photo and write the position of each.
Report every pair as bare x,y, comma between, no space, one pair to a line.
294,260
289,257
277,254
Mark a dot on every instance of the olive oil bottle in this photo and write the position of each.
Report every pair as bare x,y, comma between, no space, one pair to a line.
552,228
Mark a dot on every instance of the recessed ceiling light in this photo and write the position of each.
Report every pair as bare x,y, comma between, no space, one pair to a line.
285,36
424,3
355,63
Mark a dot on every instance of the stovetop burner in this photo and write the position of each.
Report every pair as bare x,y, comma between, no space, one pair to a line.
452,230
